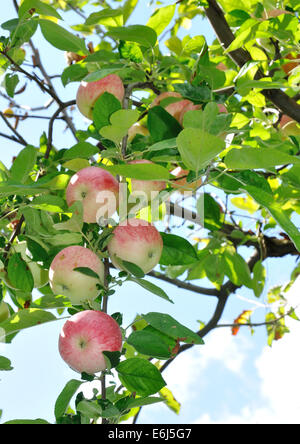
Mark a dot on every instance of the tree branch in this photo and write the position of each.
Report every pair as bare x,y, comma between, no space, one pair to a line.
51,124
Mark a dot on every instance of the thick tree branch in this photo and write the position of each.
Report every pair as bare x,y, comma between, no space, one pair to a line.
217,19
185,285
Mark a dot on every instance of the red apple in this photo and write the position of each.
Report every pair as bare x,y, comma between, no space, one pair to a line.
78,287
289,127
4,311
89,92
222,108
85,336
176,109
163,96
181,184
98,191
136,241
289,66
146,186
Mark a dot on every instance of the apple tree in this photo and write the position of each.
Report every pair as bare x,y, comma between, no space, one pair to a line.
175,130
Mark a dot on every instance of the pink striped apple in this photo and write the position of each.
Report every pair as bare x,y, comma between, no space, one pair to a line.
64,280
85,336
89,92
176,109
98,191
136,241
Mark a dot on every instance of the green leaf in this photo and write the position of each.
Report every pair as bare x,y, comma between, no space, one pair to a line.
121,121
107,17
128,9
51,301
251,158
161,18
171,402
27,421
5,364
145,171
162,125
140,376
60,38
169,326
275,209
82,150
236,268
23,164
152,343
87,272
65,397
177,251
259,277
194,45
104,107
89,409
75,223
209,120
133,269
24,32
198,148
130,403
73,73
210,211
10,83
19,274
29,317
49,203
143,35
39,7
130,51
147,285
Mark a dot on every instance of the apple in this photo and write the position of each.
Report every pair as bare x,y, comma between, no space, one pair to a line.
135,129
98,191
136,241
222,108
289,66
181,184
289,127
85,336
157,101
64,280
176,109
89,92
146,186
4,311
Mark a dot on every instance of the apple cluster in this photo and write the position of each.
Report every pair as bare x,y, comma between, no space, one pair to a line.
87,334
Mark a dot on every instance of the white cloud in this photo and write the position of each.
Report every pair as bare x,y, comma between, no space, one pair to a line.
278,370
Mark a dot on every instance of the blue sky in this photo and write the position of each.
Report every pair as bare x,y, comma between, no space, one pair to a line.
230,379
